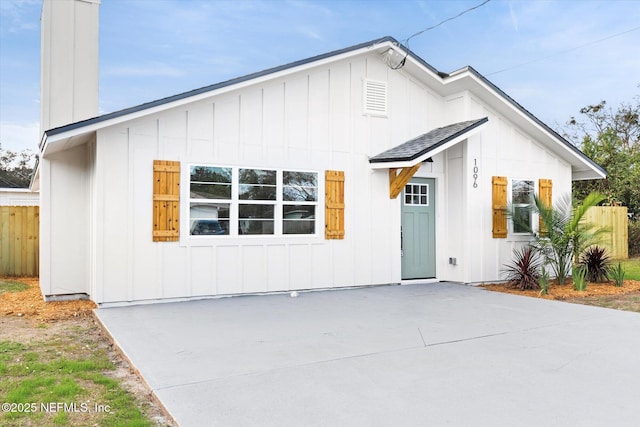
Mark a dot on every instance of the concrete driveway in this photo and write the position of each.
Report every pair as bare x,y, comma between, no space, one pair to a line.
428,355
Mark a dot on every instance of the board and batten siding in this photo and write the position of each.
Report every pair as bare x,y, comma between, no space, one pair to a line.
309,121
502,149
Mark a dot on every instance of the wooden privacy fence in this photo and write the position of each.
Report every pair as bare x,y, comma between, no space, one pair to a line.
19,240
613,218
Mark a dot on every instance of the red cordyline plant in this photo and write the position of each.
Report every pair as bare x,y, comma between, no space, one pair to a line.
524,270
596,261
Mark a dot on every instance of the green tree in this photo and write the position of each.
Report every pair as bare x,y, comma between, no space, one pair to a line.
612,139
16,168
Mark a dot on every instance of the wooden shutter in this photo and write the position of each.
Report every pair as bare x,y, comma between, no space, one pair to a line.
545,194
499,206
166,201
334,205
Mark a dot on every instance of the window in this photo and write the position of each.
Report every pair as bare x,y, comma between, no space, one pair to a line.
521,200
210,194
257,190
416,194
243,201
299,196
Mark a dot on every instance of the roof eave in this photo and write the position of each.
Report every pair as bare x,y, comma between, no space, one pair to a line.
575,157
195,95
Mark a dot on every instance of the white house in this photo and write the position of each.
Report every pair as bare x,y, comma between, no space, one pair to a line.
361,166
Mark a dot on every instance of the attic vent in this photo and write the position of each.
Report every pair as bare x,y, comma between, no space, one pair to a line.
375,97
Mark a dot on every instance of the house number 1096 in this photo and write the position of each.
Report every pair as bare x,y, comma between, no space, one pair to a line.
475,173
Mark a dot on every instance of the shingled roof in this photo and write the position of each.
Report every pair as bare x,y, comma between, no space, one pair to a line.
424,143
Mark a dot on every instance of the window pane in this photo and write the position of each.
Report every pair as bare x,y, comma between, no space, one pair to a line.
300,186
209,218
256,211
298,211
257,176
300,194
522,192
210,191
521,219
257,192
299,219
298,227
255,226
210,174
300,179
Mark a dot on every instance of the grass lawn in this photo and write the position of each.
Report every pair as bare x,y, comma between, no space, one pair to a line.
631,267
57,368
11,286
63,379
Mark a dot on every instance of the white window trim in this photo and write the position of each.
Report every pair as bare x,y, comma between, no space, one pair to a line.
512,235
404,193
186,239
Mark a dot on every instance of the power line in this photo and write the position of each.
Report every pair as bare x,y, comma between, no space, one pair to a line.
405,42
563,51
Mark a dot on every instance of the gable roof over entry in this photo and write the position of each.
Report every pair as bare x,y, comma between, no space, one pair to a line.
426,145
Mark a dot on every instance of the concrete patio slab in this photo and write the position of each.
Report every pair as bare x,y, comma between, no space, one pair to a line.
425,354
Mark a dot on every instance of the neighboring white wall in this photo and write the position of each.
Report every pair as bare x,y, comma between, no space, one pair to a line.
18,197
308,121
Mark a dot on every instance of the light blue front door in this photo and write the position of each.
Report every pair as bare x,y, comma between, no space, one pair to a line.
419,229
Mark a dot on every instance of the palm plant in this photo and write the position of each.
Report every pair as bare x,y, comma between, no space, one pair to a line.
564,236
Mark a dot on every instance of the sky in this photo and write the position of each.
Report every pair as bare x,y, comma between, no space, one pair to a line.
552,57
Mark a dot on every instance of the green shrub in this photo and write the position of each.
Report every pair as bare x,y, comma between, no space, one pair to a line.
543,282
634,238
579,278
617,274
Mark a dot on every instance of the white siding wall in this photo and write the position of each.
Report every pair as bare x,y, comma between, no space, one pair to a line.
501,149
64,222
307,121
311,121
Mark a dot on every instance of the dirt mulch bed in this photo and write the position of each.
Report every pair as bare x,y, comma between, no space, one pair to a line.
29,303
566,291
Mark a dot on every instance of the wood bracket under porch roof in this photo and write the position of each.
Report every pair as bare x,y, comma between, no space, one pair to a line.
409,156
397,181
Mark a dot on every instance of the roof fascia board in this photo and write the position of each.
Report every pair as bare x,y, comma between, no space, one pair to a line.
567,147
582,175
430,153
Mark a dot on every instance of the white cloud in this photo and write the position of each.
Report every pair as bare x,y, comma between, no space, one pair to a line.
19,136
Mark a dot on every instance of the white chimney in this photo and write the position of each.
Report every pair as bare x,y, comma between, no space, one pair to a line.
69,62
